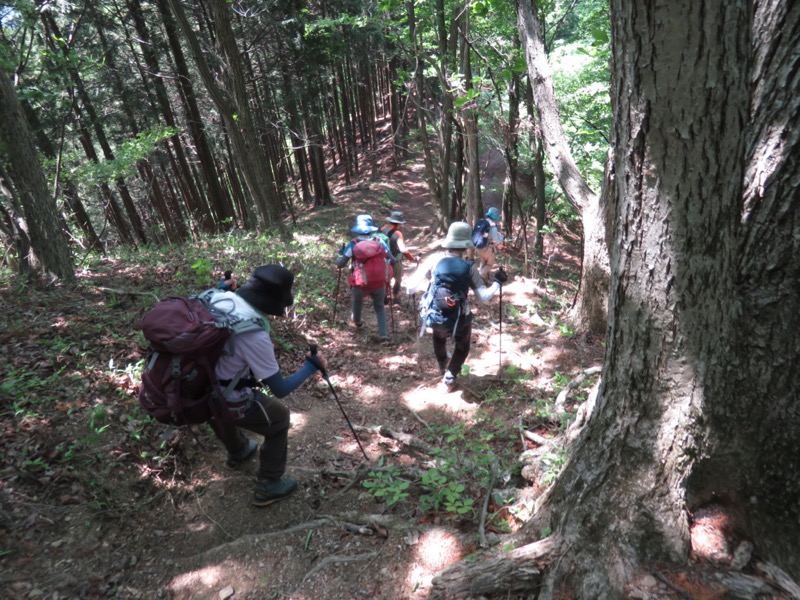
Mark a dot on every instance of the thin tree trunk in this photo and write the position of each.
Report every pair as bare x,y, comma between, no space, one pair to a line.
590,308
234,109
219,200
134,219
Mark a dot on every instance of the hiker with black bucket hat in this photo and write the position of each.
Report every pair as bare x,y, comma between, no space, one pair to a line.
246,367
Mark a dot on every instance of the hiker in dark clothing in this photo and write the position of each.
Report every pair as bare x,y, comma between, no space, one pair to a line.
368,276
247,365
397,247
450,273
227,282
487,249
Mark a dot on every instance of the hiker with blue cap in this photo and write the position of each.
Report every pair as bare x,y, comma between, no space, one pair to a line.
370,272
486,236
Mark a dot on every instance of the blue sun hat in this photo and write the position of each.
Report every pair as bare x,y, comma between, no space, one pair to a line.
493,214
363,225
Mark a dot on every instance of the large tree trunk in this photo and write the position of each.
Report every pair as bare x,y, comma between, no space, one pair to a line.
698,403
590,305
44,230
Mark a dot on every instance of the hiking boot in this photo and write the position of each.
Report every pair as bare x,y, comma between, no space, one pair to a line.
358,324
269,491
385,341
449,380
237,458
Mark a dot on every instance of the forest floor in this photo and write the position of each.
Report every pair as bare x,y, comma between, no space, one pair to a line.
96,520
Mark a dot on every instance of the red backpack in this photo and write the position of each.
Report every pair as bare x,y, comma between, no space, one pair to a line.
187,336
370,269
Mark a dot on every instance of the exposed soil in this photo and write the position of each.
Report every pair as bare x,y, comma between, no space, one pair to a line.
102,523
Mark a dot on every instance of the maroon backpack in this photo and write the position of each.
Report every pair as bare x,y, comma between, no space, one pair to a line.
187,336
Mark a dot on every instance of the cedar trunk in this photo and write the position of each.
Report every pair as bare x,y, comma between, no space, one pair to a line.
44,231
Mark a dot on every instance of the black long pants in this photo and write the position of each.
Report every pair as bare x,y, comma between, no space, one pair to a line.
461,345
268,417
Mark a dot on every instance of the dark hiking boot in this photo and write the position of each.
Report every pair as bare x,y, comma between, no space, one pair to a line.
269,491
235,459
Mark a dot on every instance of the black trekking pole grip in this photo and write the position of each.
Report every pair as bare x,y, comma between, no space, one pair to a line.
313,349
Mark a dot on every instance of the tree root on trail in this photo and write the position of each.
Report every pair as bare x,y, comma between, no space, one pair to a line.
520,570
561,399
335,560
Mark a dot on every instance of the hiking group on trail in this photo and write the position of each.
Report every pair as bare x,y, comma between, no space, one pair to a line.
211,356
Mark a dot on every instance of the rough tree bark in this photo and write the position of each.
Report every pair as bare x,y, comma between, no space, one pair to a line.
698,402
44,230
590,306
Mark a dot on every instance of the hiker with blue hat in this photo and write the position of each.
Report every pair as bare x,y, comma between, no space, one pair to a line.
370,272
397,246
447,276
485,237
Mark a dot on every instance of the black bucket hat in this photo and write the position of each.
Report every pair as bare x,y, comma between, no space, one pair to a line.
269,289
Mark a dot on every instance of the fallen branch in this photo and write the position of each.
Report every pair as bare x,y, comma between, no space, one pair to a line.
221,528
405,438
534,437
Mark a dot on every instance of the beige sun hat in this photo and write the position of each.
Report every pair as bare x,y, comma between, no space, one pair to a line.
459,235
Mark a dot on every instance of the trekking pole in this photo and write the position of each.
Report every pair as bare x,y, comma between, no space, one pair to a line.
391,309
500,335
336,295
313,349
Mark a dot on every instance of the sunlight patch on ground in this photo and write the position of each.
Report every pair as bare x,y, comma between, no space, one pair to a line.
299,421
207,577
437,397
436,550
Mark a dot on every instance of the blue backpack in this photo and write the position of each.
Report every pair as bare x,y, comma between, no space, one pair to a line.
480,233
442,305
